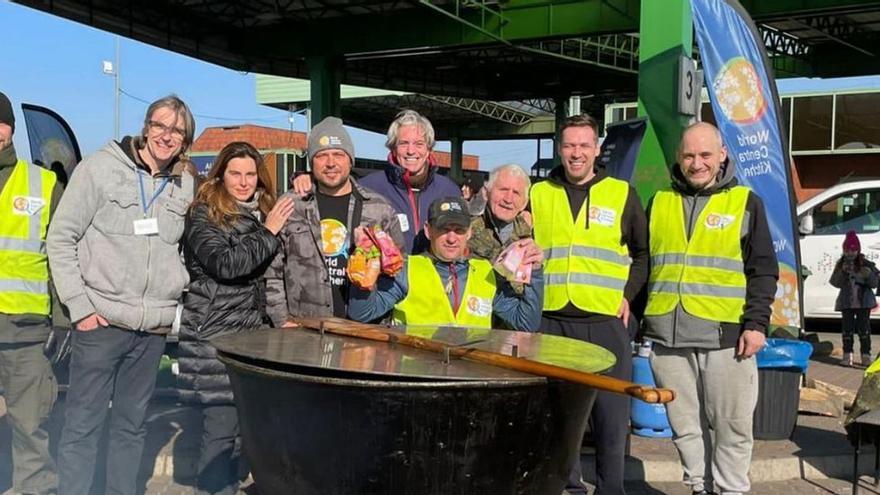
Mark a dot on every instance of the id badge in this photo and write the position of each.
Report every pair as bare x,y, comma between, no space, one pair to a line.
146,226
404,222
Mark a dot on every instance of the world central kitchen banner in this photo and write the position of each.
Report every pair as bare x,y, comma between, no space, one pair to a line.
746,106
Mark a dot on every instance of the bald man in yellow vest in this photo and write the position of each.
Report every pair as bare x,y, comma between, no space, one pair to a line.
712,281
28,195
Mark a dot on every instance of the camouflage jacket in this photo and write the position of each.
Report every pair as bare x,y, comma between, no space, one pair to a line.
297,282
485,242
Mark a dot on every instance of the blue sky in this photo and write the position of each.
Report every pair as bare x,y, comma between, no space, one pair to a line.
56,63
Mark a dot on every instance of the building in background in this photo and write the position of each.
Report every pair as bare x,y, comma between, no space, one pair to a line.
282,150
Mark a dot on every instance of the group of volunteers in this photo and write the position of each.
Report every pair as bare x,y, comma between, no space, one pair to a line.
569,256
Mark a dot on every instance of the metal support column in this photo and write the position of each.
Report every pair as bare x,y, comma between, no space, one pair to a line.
456,157
324,75
561,114
666,33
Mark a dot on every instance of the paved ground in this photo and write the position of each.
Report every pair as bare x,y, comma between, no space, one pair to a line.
794,487
164,485
173,430
818,449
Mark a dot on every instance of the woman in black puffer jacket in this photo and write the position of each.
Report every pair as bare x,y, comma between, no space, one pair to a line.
227,248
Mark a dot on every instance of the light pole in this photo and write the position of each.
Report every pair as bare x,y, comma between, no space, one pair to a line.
112,69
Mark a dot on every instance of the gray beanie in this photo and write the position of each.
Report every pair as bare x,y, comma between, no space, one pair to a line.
329,134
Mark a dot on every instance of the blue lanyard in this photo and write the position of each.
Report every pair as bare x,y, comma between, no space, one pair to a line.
146,205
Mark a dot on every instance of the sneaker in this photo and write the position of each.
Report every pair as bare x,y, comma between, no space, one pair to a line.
847,359
866,360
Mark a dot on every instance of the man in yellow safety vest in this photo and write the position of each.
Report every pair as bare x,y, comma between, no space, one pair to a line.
445,287
593,231
712,282
28,196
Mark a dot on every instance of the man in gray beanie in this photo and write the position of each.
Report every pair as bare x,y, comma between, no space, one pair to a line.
309,275
28,196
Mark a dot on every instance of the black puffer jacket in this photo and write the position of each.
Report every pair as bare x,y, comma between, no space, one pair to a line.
226,295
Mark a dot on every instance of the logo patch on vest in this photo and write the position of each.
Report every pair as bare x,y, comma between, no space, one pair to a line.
602,216
27,205
478,306
719,221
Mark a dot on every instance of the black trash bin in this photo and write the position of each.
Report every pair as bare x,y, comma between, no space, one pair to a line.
780,366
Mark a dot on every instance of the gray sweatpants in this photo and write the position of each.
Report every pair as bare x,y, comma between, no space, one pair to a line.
711,387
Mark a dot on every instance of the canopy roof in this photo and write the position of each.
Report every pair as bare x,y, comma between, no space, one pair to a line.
518,53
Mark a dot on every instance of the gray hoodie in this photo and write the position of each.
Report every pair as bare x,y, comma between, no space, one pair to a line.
98,263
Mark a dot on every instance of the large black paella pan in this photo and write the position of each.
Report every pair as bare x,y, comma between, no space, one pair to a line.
326,414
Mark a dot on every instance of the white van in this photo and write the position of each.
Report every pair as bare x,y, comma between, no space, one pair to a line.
823,220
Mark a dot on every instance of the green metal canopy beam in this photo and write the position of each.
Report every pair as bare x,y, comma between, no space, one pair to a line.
426,30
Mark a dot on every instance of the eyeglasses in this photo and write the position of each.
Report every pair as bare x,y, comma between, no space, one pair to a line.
161,129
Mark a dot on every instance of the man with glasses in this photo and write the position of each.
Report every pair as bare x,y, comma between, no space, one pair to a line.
114,257
410,182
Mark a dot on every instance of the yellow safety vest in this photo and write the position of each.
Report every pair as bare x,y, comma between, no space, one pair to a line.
587,266
426,302
704,273
24,218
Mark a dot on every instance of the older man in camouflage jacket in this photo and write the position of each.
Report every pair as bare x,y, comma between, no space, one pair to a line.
505,221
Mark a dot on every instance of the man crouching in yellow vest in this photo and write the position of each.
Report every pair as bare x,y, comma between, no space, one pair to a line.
444,287
28,195
712,281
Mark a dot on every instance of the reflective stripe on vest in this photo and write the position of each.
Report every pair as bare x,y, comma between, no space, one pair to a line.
588,267
25,203
426,303
704,273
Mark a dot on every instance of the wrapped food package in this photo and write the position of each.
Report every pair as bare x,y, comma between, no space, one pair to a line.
510,264
364,264
392,260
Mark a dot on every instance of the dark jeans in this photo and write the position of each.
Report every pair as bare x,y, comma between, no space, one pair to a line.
107,363
609,417
221,451
856,321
